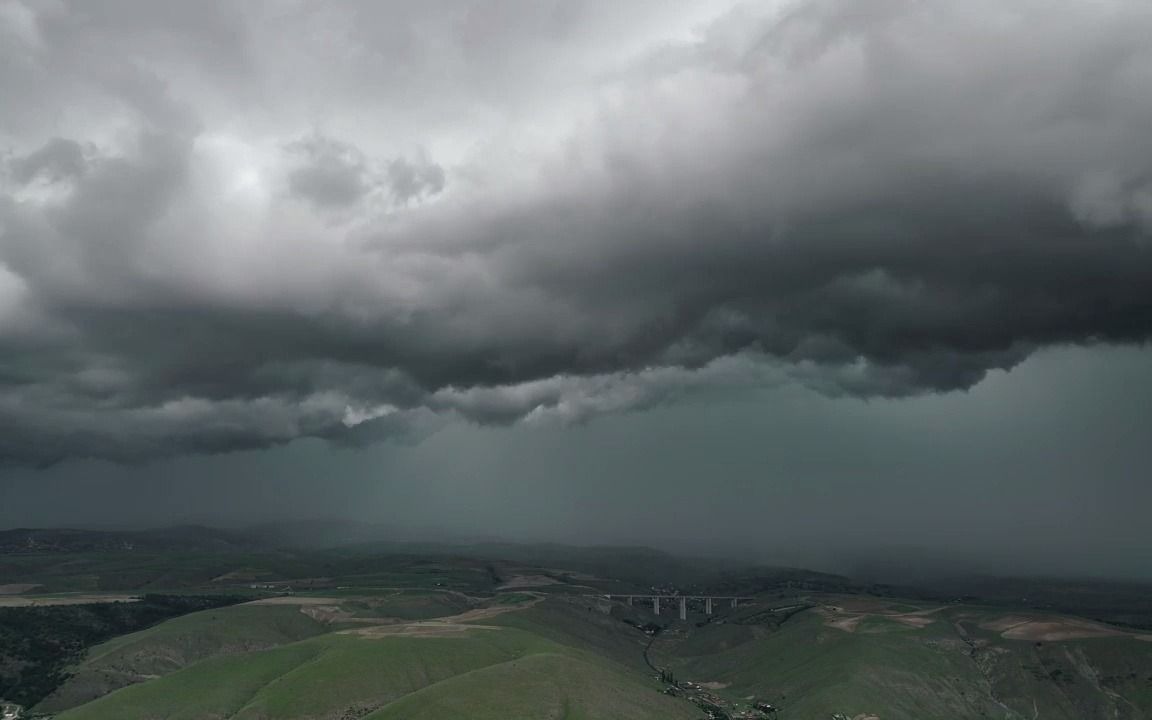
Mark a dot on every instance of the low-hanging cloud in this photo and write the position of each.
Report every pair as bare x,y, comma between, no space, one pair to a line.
872,199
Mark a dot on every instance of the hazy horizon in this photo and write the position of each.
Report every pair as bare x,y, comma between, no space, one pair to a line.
992,480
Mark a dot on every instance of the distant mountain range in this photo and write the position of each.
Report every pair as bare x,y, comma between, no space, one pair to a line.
185,538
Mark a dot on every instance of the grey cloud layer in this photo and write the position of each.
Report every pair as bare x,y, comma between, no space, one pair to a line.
886,198
332,174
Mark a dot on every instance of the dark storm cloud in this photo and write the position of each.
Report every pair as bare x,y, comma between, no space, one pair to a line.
871,199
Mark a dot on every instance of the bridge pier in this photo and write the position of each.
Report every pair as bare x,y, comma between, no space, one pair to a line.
709,601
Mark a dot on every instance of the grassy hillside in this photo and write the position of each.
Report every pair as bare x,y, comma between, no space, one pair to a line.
407,605
345,634
347,675
173,645
566,657
901,663
814,671
580,623
539,686
37,643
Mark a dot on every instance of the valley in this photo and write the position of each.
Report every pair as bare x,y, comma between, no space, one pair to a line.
359,632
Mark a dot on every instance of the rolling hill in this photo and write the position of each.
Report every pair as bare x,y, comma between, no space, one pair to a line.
408,670
175,644
901,661
344,634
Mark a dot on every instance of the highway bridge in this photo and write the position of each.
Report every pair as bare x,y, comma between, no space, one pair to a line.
682,599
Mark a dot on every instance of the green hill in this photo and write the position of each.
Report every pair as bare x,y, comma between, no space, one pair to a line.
383,653
542,685
580,623
814,671
474,673
916,665
175,644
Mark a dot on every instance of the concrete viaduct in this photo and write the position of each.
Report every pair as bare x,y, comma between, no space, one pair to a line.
708,599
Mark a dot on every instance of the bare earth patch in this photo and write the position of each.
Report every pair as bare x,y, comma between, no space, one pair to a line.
848,612
713,685
488,612
1060,630
327,610
330,614
925,611
441,627
1052,629
420,629
912,620
862,605
847,624
521,581
297,600
1005,623
17,588
529,581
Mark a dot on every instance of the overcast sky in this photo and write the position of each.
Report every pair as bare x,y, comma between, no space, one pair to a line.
583,268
